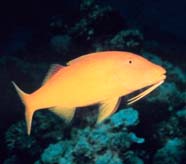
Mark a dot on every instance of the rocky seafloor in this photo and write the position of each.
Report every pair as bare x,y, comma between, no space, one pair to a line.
150,131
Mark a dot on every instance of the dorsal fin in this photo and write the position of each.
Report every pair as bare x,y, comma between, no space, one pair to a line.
54,68
83,58
76,60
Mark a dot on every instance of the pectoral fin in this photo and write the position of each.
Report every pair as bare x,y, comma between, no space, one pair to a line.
65,113
107,108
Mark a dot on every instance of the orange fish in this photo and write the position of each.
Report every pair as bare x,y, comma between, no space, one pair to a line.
101,77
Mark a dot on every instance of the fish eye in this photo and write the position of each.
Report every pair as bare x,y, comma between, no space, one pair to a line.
130,61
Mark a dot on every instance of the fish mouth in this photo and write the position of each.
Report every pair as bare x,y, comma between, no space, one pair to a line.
159,78
163,74
146,91
163,77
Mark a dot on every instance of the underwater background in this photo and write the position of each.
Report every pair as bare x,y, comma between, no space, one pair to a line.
35,34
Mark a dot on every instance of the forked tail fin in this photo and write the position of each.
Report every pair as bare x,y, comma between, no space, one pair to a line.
29,111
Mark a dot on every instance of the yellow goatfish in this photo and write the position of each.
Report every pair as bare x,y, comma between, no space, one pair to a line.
101,77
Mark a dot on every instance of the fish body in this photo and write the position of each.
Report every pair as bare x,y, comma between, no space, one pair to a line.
101,77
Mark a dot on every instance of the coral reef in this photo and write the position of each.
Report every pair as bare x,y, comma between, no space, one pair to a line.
172,152
102,144
92,26
94,16
128,40
19,143
124,40
92,144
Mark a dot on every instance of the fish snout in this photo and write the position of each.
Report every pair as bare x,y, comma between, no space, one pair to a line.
161,73
163,77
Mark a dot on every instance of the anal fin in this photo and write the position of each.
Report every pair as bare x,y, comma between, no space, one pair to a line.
107,108
65,113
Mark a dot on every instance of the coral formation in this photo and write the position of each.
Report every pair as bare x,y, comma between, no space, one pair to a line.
19,143
124,40
172,152
90,144
127,40
101,144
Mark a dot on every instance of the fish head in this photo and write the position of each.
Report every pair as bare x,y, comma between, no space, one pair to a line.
138,72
